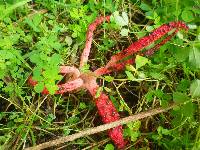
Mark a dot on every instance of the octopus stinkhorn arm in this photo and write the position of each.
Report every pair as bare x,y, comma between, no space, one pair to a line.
108,114
146,41
89,37
116,65
70,86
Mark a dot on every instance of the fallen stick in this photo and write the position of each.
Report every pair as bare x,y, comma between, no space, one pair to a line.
101,128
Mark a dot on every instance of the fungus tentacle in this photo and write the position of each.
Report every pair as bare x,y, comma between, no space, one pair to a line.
108,114
147,40
89,38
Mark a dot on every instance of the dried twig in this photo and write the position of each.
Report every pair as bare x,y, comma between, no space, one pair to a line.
101,128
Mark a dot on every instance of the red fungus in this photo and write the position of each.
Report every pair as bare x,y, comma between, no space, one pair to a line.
146,41
108,114
89,37
106,109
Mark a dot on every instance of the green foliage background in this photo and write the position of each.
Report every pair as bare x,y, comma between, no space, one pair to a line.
36,37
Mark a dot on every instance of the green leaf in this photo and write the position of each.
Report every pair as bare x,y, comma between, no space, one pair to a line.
130,75
157,75
134,125
109,78
37,74
195,88
134,136
194,56
68,40
50,117
182,54
55,59
73,120
179,97
180,35
114,101
149,96
37,19
48,73
192,26
183,85
39,87
121,20
124,32
100,89
109,147
66,130
145,7
35,58
51,88
163,131
140,61
85,68
188,109
82,105
4,12
187,16
32,25
159,93
125,17
131,68
19,120
107,89
149,28
133,130
141,75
